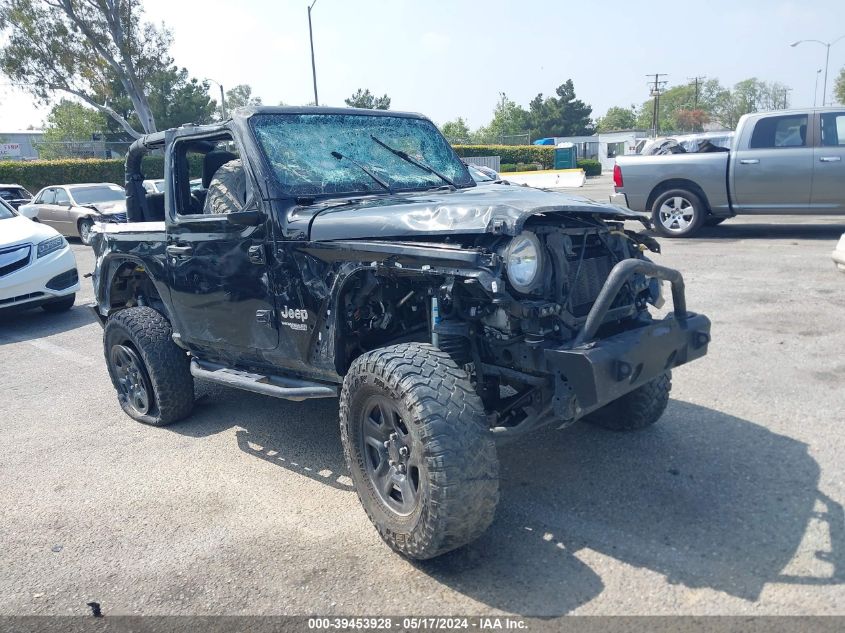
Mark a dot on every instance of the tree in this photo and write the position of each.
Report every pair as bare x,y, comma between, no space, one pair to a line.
174,98
509,120
79,47
364,99
68,121
240,96
839,87
617,118
456,131
563,115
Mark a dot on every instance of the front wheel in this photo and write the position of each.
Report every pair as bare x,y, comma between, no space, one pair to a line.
84,228
678,213
418,448
637,409
151,374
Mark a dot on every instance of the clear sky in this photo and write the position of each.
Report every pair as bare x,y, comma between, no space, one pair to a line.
452,58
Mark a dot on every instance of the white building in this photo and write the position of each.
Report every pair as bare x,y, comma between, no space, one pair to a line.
20,145
606,146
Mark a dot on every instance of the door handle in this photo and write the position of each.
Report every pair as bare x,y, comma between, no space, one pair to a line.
748,161
830,159
179,251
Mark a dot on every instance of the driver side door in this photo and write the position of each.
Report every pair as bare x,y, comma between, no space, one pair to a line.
220,287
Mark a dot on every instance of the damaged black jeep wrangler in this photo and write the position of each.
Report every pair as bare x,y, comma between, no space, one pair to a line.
336,252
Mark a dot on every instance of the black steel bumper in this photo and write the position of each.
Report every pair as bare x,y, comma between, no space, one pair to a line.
598,372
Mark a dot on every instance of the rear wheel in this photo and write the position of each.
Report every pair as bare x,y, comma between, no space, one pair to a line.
151,374
636,410
84,227
418,448
678,213
60,305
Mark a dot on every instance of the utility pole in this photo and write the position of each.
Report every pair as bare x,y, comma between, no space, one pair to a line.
313,66
696,81
656,89
786,92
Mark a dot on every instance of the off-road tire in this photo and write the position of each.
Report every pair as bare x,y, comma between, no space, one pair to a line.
459,475
60,305
165,365
695,203
636,410
227,189
85,234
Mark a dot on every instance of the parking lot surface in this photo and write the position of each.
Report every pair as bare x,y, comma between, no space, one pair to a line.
731,504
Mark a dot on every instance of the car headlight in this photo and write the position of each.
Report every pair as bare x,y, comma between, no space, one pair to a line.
524,262
51,246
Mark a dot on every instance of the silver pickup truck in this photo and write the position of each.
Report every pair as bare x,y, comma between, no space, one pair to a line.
784,162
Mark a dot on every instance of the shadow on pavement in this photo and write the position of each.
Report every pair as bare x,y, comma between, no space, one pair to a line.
703,498
729,230
17,326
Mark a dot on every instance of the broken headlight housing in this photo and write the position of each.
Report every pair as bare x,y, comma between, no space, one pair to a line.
524,262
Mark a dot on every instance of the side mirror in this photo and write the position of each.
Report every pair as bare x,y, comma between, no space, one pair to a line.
245,218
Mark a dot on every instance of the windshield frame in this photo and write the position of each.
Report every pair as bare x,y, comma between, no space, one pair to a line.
285,191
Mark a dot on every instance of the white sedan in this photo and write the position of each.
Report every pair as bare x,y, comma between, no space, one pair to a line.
839,254
37,266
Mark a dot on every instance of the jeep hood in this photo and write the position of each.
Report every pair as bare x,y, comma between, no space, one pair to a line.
491,209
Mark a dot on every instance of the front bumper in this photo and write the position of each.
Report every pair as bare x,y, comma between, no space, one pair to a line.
596,372
40,281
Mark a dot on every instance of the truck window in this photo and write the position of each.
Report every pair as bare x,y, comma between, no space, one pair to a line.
833,129
780,131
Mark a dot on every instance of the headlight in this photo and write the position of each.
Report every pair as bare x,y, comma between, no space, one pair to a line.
51,246
524,262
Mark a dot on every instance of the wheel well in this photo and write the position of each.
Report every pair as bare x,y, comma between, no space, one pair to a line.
677,183
131,286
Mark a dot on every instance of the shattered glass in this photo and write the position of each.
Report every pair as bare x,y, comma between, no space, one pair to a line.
299,149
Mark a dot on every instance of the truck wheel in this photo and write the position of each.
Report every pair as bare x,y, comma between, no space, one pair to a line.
227,189
636,410
418,448
60,305
151,374
84,227
678,213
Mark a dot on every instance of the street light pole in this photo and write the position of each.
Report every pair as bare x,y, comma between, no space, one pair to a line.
826,60
222,96
313,65
816,89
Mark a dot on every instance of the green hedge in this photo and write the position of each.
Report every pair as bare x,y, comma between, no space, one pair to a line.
37,174
506,167
591,167
512,154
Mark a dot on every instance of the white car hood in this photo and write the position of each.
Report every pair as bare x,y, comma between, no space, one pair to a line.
19,229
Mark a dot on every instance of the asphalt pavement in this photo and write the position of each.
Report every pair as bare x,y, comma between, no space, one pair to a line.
731,504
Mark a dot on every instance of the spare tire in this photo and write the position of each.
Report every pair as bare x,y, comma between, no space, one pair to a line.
227,190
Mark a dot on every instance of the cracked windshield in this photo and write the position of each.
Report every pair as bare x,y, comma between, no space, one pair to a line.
314,154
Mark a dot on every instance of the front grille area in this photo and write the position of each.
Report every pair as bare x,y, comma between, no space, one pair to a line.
31,295
65,280
115,217
14,258
586,280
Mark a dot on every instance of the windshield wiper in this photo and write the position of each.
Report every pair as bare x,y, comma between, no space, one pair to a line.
414,161
366,170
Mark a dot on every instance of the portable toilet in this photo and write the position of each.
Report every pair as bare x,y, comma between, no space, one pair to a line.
566,156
